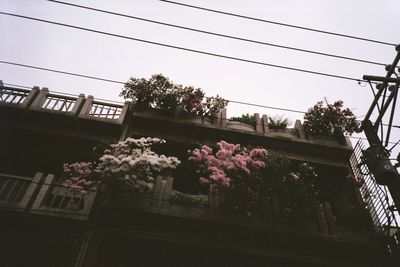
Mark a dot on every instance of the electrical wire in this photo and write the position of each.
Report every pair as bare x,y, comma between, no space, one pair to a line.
217,34
278,23
120,82
281,109
184,48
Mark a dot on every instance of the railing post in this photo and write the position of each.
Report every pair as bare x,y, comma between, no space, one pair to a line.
78,104
347,141
87,106
265,124
40,99
217,119
31,190
258,126
124,111
30,97
329,218
224,119
300,129
1,84
43,190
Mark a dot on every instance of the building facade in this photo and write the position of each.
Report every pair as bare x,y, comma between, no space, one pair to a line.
45,224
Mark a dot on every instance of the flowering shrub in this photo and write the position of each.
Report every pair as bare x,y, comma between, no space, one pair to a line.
81,176
330,119
159,92
192,100
233,169
228,165
133,160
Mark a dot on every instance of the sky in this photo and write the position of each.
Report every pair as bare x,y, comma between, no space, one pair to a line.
50,46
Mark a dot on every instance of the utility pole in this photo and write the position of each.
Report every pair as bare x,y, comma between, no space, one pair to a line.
376,157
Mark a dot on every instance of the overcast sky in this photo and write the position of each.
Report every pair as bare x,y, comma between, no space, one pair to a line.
51,46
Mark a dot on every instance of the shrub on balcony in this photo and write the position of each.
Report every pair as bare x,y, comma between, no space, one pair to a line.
245,118
131,161
161,93
134,162
247,175
330,119
81,177
277,123
233,169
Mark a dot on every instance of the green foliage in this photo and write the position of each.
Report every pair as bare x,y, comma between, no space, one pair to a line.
278,123
245,118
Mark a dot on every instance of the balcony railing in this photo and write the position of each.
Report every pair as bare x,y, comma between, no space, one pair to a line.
54,199
13,95
163,200
105,111
42,195
59,103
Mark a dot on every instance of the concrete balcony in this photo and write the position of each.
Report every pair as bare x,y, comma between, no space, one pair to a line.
42,195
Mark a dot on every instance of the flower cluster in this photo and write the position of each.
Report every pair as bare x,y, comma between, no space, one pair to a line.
330,119
229,164
356,181
192,100
133,160
80,176
159,92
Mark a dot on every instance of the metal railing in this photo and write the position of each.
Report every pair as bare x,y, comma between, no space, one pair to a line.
377,198
12,95
105,110
13,188
59,103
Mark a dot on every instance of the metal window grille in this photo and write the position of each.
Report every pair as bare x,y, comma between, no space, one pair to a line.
384,218
105,111
13,95
59,103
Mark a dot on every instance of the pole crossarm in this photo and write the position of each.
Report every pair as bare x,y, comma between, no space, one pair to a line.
385,81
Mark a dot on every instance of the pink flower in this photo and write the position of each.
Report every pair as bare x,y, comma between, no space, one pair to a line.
224,154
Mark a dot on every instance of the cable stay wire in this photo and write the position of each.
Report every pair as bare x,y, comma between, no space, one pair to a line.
279,23
185,49
120,82
218,34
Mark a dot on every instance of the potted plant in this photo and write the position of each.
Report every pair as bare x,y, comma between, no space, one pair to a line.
325,119
277,123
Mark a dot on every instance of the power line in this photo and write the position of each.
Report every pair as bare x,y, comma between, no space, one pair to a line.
279,23
257,105
107,80
218,34
120,82
184,48
59,71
